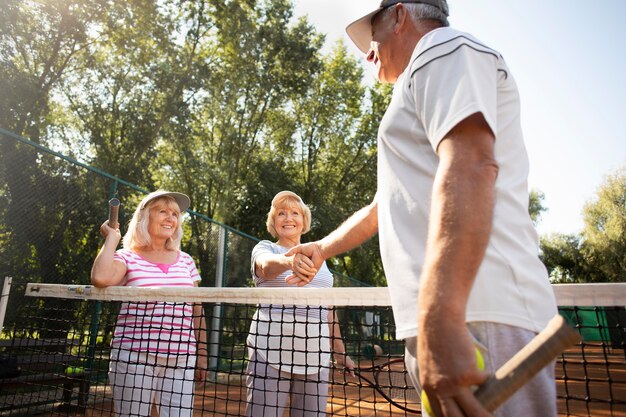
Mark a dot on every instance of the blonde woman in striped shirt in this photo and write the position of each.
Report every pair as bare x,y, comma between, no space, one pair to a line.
289,347
155,346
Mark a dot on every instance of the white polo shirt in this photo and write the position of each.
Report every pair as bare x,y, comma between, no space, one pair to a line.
450,77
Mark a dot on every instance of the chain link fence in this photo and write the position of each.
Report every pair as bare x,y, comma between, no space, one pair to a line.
51,207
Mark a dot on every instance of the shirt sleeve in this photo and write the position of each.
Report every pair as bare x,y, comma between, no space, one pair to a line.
191,266
121,255
450,82
261,248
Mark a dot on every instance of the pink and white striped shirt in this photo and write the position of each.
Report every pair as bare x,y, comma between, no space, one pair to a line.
159,328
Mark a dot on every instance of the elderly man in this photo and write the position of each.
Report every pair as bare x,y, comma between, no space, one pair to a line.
459,249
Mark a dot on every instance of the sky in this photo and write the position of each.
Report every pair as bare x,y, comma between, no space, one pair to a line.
568,58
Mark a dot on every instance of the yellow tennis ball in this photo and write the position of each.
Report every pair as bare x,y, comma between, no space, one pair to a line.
73,370
426,404
480,364
480,361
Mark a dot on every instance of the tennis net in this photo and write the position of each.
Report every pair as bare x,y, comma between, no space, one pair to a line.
62,362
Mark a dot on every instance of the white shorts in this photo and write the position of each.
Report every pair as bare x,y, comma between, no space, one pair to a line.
271,392
140,380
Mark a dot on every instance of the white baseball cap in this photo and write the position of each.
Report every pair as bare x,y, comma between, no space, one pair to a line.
282,194
182,199
360,31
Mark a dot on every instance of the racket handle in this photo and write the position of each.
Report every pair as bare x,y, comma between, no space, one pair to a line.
526,363
114,208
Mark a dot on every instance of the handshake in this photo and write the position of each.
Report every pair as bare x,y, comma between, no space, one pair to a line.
306,260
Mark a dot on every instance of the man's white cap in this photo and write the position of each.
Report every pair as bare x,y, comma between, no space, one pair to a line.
360,31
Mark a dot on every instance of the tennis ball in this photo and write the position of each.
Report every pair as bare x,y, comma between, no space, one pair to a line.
480,364
73,370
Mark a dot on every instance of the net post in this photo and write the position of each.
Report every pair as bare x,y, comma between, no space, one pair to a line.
4,300
91,350
216,316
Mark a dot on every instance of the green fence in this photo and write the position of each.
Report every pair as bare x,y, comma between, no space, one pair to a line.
51,208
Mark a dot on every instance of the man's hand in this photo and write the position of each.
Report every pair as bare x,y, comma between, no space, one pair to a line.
448,370
303,266
312,251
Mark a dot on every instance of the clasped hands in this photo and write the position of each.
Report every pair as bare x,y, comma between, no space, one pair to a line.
306,259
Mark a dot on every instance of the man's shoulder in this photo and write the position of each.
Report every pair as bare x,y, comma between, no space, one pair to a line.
443,42
447,35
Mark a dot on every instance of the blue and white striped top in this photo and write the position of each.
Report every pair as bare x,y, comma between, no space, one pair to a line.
323,279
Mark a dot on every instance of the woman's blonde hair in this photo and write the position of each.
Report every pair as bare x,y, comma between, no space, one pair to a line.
138,237
288,199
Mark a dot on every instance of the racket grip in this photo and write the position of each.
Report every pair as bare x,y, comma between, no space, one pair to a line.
114,208
526,363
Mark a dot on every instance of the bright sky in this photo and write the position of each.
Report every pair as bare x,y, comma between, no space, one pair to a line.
569,60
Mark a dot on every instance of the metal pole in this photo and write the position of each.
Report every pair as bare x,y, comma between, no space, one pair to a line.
4,300
214,336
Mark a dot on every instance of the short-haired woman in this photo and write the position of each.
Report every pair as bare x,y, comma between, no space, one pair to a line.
289,346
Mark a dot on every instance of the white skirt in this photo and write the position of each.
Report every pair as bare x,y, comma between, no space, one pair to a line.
290,342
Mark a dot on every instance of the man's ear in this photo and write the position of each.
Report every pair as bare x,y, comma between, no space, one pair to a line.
400,15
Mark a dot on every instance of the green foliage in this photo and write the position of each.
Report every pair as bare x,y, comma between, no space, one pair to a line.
227,101
561,255
598,254
604,234
535,205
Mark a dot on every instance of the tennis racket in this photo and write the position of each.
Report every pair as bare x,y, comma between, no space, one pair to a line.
114,208
391,380
510,377
526,363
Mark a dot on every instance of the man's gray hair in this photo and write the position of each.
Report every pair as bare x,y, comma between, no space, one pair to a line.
420,11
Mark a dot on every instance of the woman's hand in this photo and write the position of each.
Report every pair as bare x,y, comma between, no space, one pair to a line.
106,271
110,233
344,361
312,260
303,270
201,366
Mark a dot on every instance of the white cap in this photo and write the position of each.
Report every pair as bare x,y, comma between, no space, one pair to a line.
360,31
182,199
282,194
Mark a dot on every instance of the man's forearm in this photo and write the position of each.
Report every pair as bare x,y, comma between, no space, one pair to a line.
461,219
359,228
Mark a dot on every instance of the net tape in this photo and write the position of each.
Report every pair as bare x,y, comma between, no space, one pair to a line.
609,294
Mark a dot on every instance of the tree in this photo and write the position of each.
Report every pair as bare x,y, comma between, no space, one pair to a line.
604,233
598,254
322,146
133,88
39,43
227,101
535,206
45,221
259,61
562,257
